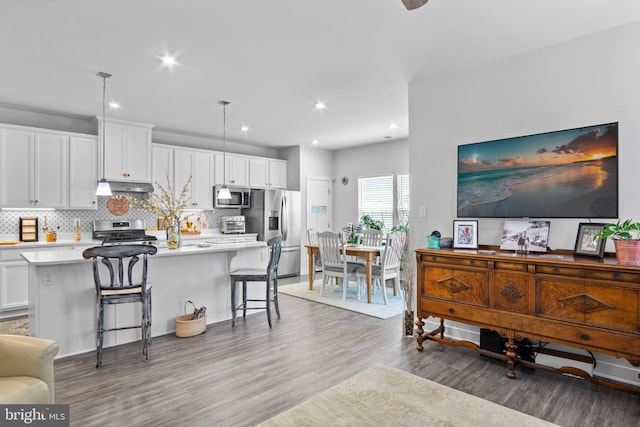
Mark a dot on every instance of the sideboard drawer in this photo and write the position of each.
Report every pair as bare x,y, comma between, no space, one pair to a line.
455,261
585,273
610,306
459,285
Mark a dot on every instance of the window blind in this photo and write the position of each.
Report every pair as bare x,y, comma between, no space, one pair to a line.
377,198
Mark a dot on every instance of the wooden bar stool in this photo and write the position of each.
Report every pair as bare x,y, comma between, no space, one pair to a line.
121,291
245,275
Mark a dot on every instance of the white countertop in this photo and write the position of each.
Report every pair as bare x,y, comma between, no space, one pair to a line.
67,239
74,255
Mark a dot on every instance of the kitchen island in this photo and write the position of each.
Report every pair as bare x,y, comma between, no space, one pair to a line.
62,304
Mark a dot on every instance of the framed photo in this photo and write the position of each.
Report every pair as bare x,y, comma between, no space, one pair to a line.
586,244
525,236
465,234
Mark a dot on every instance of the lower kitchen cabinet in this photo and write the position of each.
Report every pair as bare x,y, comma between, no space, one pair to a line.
14,289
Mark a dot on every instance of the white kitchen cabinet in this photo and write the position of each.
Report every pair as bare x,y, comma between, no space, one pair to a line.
34,168
161,165
14,286
267,173
127,150
236,170
83,172
199,165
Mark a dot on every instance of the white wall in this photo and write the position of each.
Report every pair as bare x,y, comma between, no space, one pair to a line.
313,162
384,158
582,82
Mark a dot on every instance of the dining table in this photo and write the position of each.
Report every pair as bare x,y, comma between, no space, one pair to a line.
369,253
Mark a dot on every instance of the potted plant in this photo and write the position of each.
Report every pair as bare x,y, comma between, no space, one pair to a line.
371,223
626,238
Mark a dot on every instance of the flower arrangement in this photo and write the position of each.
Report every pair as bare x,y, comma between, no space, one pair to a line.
164,203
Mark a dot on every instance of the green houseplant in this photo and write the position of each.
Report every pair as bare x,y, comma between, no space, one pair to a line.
371,223
626,238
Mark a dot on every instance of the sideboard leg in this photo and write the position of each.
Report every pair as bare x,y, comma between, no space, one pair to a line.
420,339
512,355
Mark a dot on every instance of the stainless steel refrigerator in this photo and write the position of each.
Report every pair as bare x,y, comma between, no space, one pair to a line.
274,212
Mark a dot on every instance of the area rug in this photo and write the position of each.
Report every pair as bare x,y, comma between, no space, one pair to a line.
15,326
382,396
377,308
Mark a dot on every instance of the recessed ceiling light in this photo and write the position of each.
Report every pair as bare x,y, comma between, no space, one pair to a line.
320,105
393,126
315,142
168,60
114,105
244,128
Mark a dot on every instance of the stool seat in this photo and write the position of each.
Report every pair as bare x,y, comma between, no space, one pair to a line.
249,272
121,288
269,276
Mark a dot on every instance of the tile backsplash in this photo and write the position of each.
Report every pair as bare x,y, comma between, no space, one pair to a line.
63,220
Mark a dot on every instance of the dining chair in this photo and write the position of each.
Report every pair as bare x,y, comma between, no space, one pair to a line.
389,267
334,261
371,237
268,276
121,288
312,240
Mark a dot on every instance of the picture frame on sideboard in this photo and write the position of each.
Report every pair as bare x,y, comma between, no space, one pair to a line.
586,243
465,234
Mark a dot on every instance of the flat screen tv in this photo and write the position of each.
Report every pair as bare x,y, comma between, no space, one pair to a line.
570,173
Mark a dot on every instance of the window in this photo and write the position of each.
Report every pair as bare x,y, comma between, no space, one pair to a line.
384,198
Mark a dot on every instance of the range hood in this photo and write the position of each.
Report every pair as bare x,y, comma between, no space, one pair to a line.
131,187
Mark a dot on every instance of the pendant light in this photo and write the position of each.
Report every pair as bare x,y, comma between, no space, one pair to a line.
223,193
104,189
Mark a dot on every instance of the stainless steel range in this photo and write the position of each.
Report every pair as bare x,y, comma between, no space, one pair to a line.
122,232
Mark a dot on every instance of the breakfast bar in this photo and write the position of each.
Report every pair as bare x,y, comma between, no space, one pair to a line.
62,293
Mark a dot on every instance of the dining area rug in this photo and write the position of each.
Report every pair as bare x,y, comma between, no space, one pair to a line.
384,396
333,297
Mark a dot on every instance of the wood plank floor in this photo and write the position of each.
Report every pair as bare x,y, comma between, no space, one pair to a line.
244,375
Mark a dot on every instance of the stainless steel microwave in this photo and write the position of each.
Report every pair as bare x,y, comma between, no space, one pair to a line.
240,198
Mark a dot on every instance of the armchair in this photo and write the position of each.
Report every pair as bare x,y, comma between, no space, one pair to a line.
26,371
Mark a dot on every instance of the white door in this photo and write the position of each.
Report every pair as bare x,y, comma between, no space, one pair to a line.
319,203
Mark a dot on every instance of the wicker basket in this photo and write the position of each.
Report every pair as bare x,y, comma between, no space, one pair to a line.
187,326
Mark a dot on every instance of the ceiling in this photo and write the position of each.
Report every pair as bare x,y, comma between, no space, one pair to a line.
272,59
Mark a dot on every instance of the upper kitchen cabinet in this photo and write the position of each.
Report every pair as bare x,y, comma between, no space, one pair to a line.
267,173
127,150
34,168
83,172
197,164
236,170
161,165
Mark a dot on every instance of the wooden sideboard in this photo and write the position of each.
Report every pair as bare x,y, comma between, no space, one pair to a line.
581,302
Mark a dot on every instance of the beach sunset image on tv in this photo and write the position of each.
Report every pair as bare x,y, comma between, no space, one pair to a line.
564,174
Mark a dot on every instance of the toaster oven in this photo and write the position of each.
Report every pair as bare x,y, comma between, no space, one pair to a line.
232,224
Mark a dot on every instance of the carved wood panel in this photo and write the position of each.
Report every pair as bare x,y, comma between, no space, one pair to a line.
606,305
511,292
457,285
